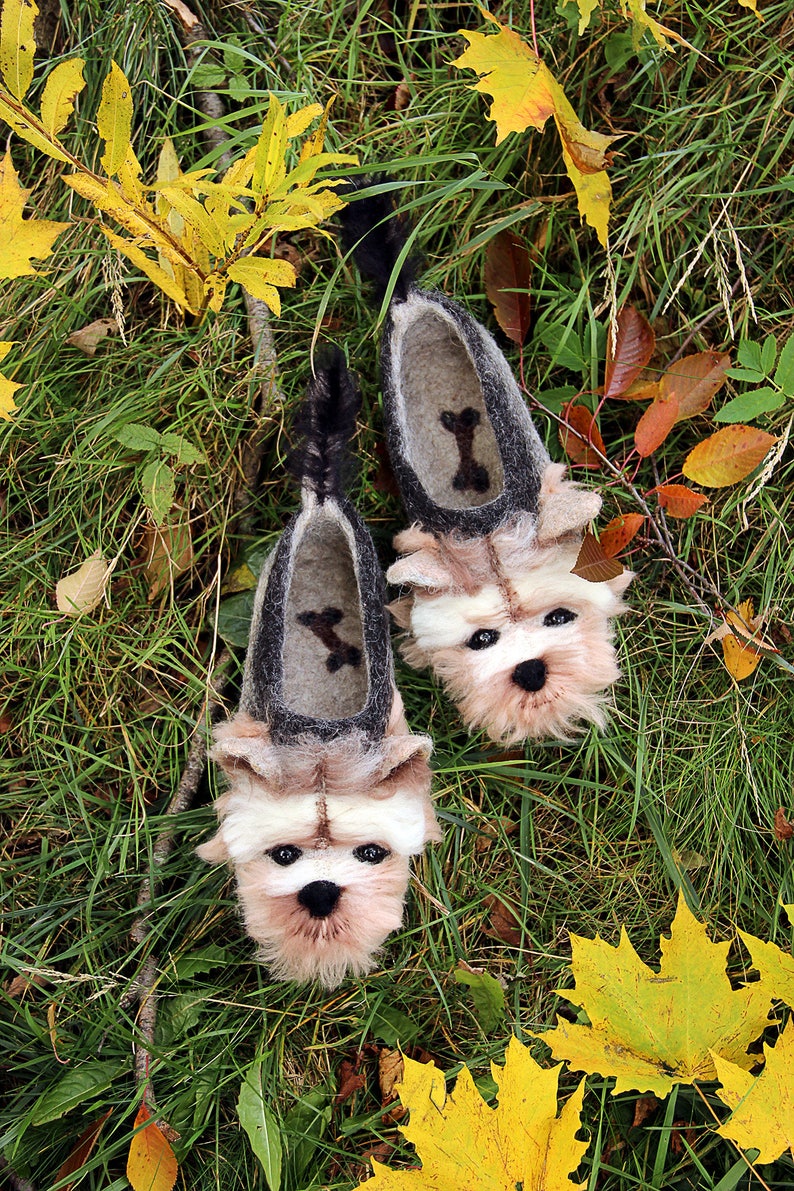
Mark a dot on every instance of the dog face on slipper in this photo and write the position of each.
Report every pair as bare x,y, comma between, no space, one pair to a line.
522,645
319,835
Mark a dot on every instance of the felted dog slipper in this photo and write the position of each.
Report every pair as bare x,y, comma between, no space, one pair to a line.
522,645
329,793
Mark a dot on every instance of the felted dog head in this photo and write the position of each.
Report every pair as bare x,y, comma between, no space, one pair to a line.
522,645
319,834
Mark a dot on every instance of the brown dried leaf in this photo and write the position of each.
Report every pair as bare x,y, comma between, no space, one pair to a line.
615,537
634,344
645,1107
578,421
168,550
680,501
655,425
88,338
390,1072
693,380
351,1078
592,564
503,923
82,590
82,1151
783,827
508,266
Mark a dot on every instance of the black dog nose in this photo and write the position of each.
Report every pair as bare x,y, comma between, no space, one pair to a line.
319,898
531,675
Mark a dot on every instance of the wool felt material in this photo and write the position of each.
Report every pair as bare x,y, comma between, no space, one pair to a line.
523,646
328,791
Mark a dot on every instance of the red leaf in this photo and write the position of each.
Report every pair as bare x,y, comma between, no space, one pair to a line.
680,501
82,1151
151,1165
727,456
592,564
634,346
579,419
655,425
693,380
507,269
616,536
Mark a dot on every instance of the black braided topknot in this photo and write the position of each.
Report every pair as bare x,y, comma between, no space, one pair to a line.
326,421
376,234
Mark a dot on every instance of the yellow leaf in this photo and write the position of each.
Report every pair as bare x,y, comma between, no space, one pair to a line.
5,347
114,120
740,648
586,10
17,44
169,551
299,121
463,1143
776,967
29,128
642,23
151,1165
65,82
7,387
152,270
655,1029
192,211
727,456
594,196
84,588
269,167
129,175
763,1108
259,275
21,239
314,144
753,6
519,82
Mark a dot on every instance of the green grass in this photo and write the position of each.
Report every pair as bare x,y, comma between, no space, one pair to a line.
98,713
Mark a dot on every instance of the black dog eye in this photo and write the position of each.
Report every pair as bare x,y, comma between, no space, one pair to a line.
558,616
285,854
370,853
483,639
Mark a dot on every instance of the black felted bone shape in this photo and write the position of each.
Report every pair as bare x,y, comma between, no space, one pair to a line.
523,646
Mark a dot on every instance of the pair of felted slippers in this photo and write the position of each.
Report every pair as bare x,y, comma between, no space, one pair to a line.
329,793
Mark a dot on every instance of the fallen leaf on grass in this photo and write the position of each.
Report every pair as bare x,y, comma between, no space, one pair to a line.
633,347
390,1073
742,646
507,270
7,387
151,1164
21,239
693,380
763,1105
463,1143
168,551
783,827
486,993
652,1030
615,537
88,338
579,434
679,501
644,1108
83,589
592,563
655,424
81,1152
503,924
727,456
775,966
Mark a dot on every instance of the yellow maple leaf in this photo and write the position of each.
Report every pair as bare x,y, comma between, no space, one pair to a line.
763,1106
642,23
652,1029
21,239
464,1143
525,93
7,387
776,967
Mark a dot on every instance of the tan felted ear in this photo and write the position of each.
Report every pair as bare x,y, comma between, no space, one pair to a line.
422,569
214,851
564,507
243,744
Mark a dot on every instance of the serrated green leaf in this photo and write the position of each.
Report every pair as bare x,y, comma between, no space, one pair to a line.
752,376
137,437
748,354
768,354
207,76
85,1081
239,88
17,44
751,405
63,85
234,618
487,994
179,448
784,373
261,1126
114,119
157,488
